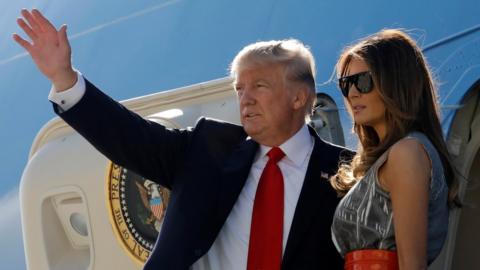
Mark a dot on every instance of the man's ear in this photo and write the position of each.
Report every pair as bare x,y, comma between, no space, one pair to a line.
300,96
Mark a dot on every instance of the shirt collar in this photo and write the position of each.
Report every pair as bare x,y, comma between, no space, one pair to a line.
296,148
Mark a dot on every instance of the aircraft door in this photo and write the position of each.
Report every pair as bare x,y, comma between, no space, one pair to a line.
326,120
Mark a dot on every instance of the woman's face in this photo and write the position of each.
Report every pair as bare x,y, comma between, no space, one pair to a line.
367,108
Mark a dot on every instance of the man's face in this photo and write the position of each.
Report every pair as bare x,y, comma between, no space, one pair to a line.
269,105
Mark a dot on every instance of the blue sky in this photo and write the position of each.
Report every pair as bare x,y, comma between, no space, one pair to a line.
132,48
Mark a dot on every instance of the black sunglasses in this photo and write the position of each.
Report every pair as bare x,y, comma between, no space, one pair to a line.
363,81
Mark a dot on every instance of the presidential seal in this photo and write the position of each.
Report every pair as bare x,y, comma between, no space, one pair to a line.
137,207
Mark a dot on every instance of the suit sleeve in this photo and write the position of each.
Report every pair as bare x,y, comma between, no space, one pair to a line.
127,139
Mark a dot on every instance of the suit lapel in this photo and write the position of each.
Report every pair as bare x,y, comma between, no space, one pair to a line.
234,174
311,196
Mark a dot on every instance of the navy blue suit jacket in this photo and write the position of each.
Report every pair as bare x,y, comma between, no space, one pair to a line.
205,168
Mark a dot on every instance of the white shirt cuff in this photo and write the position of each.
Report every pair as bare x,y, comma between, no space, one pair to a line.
68,98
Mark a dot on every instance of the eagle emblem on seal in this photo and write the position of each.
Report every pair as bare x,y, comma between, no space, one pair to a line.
137,207
152,198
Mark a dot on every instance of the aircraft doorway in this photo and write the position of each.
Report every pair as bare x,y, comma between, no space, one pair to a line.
464,144
466,252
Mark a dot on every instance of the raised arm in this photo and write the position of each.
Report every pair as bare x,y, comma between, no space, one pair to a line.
124,137
49,48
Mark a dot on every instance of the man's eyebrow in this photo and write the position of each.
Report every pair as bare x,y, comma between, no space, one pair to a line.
263,81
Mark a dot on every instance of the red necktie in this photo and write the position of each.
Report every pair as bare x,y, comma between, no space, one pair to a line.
266,231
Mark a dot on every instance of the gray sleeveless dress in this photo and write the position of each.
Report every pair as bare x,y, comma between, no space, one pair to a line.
364,219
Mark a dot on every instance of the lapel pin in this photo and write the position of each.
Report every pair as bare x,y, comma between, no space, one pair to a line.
324,175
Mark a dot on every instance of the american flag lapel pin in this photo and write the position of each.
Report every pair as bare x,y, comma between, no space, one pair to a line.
324,175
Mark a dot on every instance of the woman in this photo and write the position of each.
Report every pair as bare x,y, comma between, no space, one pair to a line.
400,183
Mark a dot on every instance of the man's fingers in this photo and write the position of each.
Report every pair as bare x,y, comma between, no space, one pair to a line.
44,23
63,36
31,21
25,44
26,28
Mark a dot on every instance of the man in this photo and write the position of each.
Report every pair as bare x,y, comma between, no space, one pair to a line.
266,199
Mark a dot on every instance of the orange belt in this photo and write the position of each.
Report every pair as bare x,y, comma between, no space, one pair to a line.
371,259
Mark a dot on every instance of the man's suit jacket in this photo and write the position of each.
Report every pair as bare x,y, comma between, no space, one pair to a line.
205,168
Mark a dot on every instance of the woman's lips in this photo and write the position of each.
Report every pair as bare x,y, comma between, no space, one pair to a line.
358,108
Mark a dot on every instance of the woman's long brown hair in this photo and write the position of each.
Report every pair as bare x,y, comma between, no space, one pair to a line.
404,81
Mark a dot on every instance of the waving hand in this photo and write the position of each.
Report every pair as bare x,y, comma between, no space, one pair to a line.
49,48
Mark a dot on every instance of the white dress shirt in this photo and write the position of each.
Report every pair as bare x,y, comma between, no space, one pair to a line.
70,97
230,249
